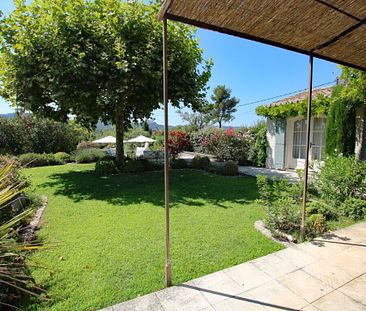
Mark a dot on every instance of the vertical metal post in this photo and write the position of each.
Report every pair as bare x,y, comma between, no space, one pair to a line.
306,168
168,273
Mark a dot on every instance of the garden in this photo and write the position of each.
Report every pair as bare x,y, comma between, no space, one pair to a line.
336,198
68,66
104,235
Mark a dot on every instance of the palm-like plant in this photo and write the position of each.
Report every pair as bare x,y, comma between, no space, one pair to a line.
14,276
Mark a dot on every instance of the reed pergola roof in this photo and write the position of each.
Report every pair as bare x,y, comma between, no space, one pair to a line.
333,30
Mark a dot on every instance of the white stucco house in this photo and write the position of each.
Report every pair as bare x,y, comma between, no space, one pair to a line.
287,137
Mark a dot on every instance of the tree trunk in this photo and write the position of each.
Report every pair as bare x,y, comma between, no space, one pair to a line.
120,133
220,123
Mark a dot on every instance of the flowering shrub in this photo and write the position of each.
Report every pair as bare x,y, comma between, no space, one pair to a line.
223,144
178,141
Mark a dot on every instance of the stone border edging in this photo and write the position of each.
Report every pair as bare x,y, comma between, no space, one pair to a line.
30,231
261,227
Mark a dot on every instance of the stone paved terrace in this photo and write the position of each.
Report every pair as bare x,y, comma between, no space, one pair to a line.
270,173
326,274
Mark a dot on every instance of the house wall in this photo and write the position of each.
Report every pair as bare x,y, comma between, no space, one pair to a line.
271,138
280,140
276,136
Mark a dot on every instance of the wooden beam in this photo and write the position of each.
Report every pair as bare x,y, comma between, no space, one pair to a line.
307,155
168,273
164,8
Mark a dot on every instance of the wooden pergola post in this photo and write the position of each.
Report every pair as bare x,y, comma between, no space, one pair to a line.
168,273
306,168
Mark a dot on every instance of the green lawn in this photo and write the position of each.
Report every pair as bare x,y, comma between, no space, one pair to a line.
104,236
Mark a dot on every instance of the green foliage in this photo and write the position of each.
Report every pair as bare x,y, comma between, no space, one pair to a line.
320,106
30,134
223,144
89,155
316,224
281,202
340,133
340,178
133,166
38,159
230,168
200,163
123,216
87,145
222,108
258,151
355,84
354,208
320,207
15,279
63,157
196,120
97,60
179,164
106,167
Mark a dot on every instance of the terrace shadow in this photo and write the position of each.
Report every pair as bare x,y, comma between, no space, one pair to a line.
186,187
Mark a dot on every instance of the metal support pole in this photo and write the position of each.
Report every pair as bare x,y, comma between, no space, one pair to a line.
168,273
306,168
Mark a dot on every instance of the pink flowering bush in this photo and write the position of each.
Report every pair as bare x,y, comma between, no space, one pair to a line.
223,144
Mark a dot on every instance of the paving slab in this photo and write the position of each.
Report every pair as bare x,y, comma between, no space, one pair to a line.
269,173
239,303
182,298
248,275
337,301
144,303
328,274
273,295
305,285
274,266
356,289
217,286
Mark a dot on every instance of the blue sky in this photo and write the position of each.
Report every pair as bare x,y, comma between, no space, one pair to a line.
252,70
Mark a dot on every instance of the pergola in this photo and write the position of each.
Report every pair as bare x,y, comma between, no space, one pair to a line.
333,30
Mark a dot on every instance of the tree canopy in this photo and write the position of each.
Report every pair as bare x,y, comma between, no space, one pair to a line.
223,105
97,59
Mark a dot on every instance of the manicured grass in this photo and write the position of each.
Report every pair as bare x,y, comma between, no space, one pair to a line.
104,236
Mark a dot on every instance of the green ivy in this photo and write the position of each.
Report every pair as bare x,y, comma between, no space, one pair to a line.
340,132
320,106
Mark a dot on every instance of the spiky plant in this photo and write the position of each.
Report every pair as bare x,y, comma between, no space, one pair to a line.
15,280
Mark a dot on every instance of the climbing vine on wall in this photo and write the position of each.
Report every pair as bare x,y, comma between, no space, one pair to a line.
320,106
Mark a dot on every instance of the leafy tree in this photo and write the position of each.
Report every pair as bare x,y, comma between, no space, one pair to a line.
145,126
223,105
97,59
197,120
355,83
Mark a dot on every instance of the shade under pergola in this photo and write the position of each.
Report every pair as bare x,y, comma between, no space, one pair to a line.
141,139
105,140
333,30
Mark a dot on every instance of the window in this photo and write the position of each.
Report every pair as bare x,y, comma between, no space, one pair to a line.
318,139
298,148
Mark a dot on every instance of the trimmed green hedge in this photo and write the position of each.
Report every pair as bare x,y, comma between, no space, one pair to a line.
38,159
89,155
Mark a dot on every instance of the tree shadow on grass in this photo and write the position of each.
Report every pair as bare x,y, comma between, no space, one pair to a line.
186,188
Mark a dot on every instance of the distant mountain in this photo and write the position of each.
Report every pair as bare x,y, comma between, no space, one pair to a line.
8,115
101,126
152,125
